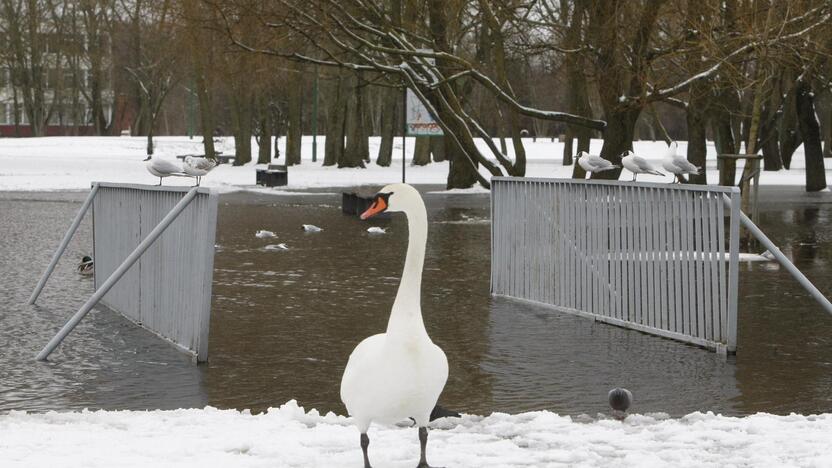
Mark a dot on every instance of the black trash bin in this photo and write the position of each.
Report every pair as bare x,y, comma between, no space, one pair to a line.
275,175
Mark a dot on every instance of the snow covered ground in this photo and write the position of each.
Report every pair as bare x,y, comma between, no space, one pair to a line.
289,437
71,163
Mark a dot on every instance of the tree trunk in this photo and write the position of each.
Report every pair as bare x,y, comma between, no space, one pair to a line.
437,148
241,120
583,145
389,117
264,150
336,118
790,137
462,174
810,131
421,152
568,144
769,142
697,150
356,150
577,99
149,147
294,131
618,137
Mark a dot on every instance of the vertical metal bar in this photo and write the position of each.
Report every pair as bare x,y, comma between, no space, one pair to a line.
633,313
733,272
615,251
676,251
699,264
64,243
665,236
707,253
723,278
117,274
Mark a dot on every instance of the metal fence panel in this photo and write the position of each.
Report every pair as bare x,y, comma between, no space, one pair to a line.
651,257
168,291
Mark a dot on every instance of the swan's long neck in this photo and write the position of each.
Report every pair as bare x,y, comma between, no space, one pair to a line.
406,317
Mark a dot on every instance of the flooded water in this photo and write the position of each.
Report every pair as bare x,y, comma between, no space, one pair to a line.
285,321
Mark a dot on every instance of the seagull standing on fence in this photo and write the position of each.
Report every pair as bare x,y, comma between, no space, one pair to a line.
637,165
676,164
161,167
197,167
594,163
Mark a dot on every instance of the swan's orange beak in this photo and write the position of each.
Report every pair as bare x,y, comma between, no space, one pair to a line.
379,205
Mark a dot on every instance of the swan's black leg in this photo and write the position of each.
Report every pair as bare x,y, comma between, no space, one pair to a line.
423,442
160,181
365,442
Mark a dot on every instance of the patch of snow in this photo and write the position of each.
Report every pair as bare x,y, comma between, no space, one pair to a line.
290,436
73,163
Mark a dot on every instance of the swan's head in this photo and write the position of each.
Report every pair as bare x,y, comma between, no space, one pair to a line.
392,198
581,154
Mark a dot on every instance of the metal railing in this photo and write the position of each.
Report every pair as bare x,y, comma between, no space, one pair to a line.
153,249
652,257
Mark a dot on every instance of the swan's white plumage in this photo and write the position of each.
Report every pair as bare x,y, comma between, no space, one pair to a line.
398,374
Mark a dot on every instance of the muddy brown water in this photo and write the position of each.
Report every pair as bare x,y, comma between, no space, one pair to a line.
284,322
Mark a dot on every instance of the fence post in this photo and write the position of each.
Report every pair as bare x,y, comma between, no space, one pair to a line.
64,243
733,270
117,274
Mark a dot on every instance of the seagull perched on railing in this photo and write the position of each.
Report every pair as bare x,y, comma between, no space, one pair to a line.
676,164
637,165
161,167
594,163
197,167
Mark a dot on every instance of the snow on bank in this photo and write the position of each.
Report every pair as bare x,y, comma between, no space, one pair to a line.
71,163
288,436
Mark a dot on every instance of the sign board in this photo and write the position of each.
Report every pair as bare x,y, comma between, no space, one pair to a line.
419,122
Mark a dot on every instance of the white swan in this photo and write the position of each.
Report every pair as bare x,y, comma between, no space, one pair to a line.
311,228
398,374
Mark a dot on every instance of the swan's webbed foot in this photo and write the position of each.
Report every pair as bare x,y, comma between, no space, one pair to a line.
365,442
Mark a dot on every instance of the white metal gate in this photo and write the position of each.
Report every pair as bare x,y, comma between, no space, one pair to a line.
168,290
652,257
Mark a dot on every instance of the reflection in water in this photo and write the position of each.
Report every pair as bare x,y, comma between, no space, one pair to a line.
284,321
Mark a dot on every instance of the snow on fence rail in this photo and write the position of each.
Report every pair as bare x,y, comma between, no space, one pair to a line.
168,290
651,257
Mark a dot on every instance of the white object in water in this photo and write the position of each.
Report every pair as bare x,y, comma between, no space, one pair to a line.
311,228
197,167
676,164
276,247
398,374
161,167
637,165
594,163
377,230
263,234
